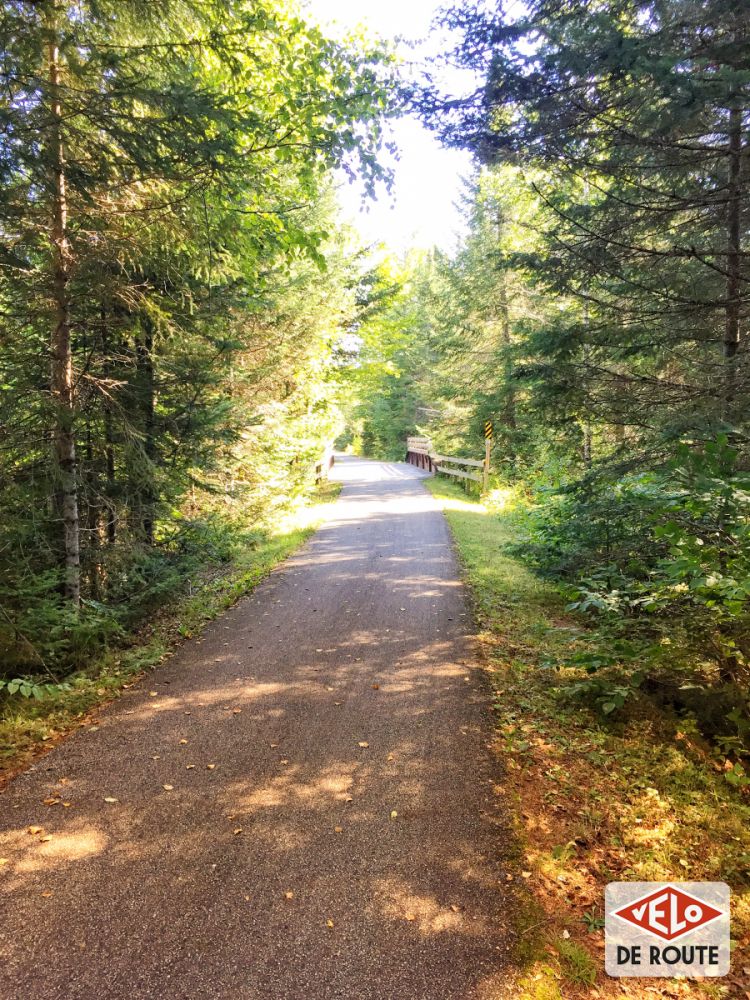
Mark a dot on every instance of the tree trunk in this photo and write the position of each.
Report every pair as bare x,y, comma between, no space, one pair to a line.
734,219
587,453
587,439
93,516
145,365
109,437
504,315
61,375
728,669
510,393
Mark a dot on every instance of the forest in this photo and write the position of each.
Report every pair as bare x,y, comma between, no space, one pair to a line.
595,312
186,324
174,284
190,325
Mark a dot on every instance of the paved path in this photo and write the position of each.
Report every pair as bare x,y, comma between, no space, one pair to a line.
336,733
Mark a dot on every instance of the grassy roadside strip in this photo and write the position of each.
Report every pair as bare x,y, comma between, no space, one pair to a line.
29,726
636,798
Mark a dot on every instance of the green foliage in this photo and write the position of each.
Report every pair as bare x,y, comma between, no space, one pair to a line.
28,687
167,204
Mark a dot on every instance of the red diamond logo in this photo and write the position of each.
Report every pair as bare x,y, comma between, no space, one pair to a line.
668,913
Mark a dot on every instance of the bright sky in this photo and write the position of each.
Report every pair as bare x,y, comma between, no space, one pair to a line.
420,210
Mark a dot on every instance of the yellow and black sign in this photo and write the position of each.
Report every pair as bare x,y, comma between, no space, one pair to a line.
489,430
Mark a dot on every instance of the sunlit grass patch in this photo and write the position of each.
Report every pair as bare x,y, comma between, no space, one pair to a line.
596,800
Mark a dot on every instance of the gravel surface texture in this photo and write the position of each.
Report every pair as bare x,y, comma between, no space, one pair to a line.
299,805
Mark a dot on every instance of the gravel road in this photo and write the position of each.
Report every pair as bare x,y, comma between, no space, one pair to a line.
296,806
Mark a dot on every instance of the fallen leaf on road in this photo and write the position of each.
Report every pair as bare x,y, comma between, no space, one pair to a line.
156,757
237,831
50,802
109,798
364,744
46,894
283,761
183,742
376,687
329,923
455,908
274,746
44,840
348,799
410,916
189,767
210,767
338,829
67,805
153,694
394,814
236,711
168,788
390,756
289,895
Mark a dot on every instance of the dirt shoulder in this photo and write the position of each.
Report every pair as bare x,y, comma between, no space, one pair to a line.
595,800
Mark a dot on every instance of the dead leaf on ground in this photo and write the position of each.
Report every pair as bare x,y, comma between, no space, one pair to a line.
289,895
153,694
210,767
168,788
338,829
329,923
183,742
363,744
47,894
394,814
110,798
376,687
45,839
237,831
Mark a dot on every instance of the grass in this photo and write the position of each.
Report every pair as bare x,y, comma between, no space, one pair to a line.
29,726
638,796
